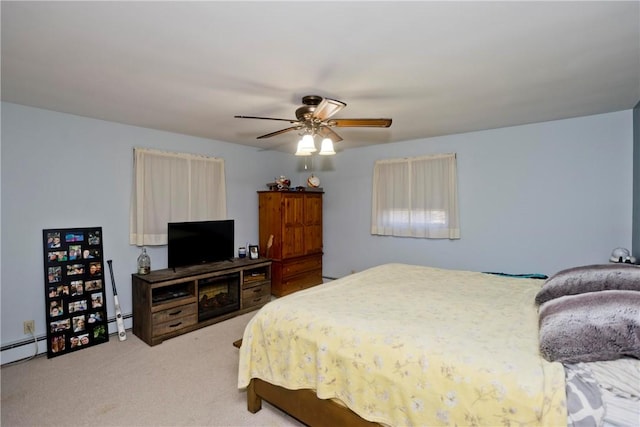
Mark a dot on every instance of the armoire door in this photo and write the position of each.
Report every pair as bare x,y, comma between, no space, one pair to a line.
293,225
312,223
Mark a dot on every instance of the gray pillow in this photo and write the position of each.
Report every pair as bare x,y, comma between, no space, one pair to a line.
590,327
590,278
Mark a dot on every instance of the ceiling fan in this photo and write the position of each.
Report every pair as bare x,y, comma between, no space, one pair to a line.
314,118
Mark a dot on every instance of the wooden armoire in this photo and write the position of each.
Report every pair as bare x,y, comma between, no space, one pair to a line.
294,218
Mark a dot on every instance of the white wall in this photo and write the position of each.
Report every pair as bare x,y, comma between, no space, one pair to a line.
636,180
533,199
63,171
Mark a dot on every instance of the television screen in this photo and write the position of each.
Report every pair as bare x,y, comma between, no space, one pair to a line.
197,242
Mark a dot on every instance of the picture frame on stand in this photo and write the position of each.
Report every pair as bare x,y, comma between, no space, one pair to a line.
253,252
75,296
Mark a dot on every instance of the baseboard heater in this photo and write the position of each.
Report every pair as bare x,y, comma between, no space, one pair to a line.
29,341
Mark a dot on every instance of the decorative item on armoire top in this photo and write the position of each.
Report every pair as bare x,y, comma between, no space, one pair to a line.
313,184
313,181
283,182
280,183
75,294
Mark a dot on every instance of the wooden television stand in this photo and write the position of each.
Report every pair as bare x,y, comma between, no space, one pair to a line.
172,302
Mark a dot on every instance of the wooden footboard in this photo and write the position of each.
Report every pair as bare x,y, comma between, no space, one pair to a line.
303,405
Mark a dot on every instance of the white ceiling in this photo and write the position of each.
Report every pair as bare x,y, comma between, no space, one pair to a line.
435,68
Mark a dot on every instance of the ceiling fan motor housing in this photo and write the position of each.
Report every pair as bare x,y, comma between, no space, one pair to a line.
305,112
311,100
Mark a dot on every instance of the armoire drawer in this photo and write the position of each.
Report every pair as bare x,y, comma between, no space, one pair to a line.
301,265
302,281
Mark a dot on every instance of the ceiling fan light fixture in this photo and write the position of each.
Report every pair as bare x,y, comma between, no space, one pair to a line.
300,152
326,149
307,144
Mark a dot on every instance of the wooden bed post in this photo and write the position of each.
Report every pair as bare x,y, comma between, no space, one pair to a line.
254,402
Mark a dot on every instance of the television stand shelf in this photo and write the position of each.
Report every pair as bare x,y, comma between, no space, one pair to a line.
172,302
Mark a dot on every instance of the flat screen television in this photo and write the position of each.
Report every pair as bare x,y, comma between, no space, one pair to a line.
198,242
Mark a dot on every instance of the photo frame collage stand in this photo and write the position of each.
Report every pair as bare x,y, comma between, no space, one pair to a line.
75,296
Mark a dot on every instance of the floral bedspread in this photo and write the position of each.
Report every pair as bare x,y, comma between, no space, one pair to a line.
412,346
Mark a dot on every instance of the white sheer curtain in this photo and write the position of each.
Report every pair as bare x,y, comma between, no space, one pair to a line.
416,197
173,187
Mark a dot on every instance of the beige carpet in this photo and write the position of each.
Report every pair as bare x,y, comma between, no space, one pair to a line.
189,380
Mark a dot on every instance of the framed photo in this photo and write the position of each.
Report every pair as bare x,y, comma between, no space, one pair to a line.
253,252
74,291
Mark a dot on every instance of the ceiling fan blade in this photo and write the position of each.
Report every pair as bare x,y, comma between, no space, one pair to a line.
376,123
327,132
265,118
278,132
327,108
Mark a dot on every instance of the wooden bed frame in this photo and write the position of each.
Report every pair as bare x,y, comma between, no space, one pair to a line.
303,405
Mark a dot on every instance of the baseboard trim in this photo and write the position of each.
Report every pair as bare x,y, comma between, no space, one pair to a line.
30,341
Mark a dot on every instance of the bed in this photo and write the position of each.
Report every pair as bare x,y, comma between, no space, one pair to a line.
412,345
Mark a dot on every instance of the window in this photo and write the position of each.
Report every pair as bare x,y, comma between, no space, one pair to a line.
173,187
416,197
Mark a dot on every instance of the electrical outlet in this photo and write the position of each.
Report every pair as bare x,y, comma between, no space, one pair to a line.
29,327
